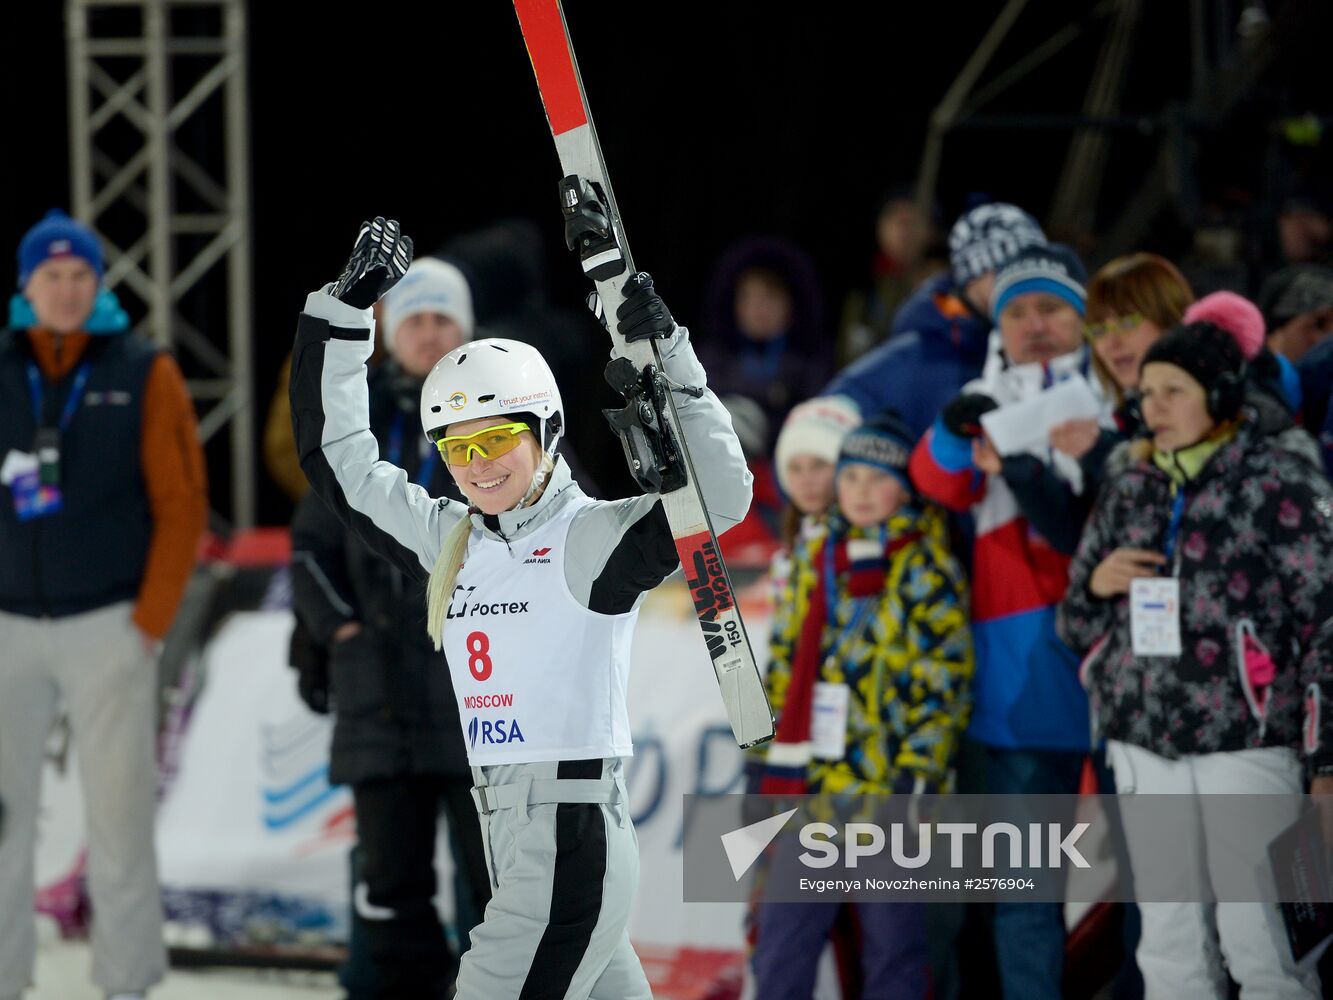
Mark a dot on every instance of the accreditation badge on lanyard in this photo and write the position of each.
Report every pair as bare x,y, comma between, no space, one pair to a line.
828,721
36,490
1154,616
1154,602
831,701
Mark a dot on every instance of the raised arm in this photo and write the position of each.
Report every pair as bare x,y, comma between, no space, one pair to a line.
625,548
942,467
1047,501
330,411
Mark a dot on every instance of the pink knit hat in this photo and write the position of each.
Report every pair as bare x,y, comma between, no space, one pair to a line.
1236,315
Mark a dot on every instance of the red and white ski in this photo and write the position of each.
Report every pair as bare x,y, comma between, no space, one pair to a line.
609,265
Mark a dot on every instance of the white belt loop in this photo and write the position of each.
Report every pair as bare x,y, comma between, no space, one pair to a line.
484,816
622,796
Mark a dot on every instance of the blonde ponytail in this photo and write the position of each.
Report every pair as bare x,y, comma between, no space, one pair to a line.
443,577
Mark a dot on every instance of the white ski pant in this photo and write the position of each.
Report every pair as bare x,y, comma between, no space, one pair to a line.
1178,949
96,666
564,862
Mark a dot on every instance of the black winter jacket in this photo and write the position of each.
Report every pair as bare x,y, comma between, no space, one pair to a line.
393,701
1254,556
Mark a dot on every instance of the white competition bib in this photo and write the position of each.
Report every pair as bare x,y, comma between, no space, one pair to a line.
1154,616
537,675
828,721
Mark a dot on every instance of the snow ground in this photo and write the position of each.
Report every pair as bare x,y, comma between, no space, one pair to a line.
63,968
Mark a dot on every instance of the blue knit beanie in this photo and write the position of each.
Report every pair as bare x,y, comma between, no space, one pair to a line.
57,235
1054,269
884,442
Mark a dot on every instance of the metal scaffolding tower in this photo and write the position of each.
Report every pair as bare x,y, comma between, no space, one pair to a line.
159,158
1230,46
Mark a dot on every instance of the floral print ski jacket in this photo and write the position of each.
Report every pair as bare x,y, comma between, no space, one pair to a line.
1254,555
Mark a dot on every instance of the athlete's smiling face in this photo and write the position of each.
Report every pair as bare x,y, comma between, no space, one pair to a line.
495,485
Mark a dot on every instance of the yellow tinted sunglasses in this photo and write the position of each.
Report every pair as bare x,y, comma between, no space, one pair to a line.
1117,325
490,442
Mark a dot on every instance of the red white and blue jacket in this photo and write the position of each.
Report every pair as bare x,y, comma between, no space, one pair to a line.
1026,692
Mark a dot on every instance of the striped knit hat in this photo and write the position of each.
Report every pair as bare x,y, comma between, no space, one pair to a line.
884,442
1054,269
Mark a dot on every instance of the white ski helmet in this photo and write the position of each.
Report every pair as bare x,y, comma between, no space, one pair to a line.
492,378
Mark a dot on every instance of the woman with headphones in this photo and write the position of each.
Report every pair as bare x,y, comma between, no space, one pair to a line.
534,588
1202,592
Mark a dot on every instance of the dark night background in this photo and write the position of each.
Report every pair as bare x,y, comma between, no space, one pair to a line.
717,120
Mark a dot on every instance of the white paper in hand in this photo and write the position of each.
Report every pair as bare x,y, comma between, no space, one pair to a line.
1021,427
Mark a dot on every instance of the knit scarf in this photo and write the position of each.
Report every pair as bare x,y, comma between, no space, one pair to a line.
861,566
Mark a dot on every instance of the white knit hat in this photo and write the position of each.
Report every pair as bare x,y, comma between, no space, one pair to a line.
430,285
815,427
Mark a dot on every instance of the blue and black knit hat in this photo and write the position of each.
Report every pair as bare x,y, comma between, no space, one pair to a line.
884,442
987,237
1054,269
57,235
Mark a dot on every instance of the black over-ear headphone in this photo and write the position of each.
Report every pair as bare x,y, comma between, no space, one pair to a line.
1226,395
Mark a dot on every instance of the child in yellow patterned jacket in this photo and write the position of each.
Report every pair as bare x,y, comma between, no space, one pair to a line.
874,661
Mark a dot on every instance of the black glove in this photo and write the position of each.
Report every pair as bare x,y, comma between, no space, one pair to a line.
962,416
380,258
311,662
643,314
1129,416
313,687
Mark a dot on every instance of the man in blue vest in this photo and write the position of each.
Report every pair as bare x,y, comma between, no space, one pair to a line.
102,501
